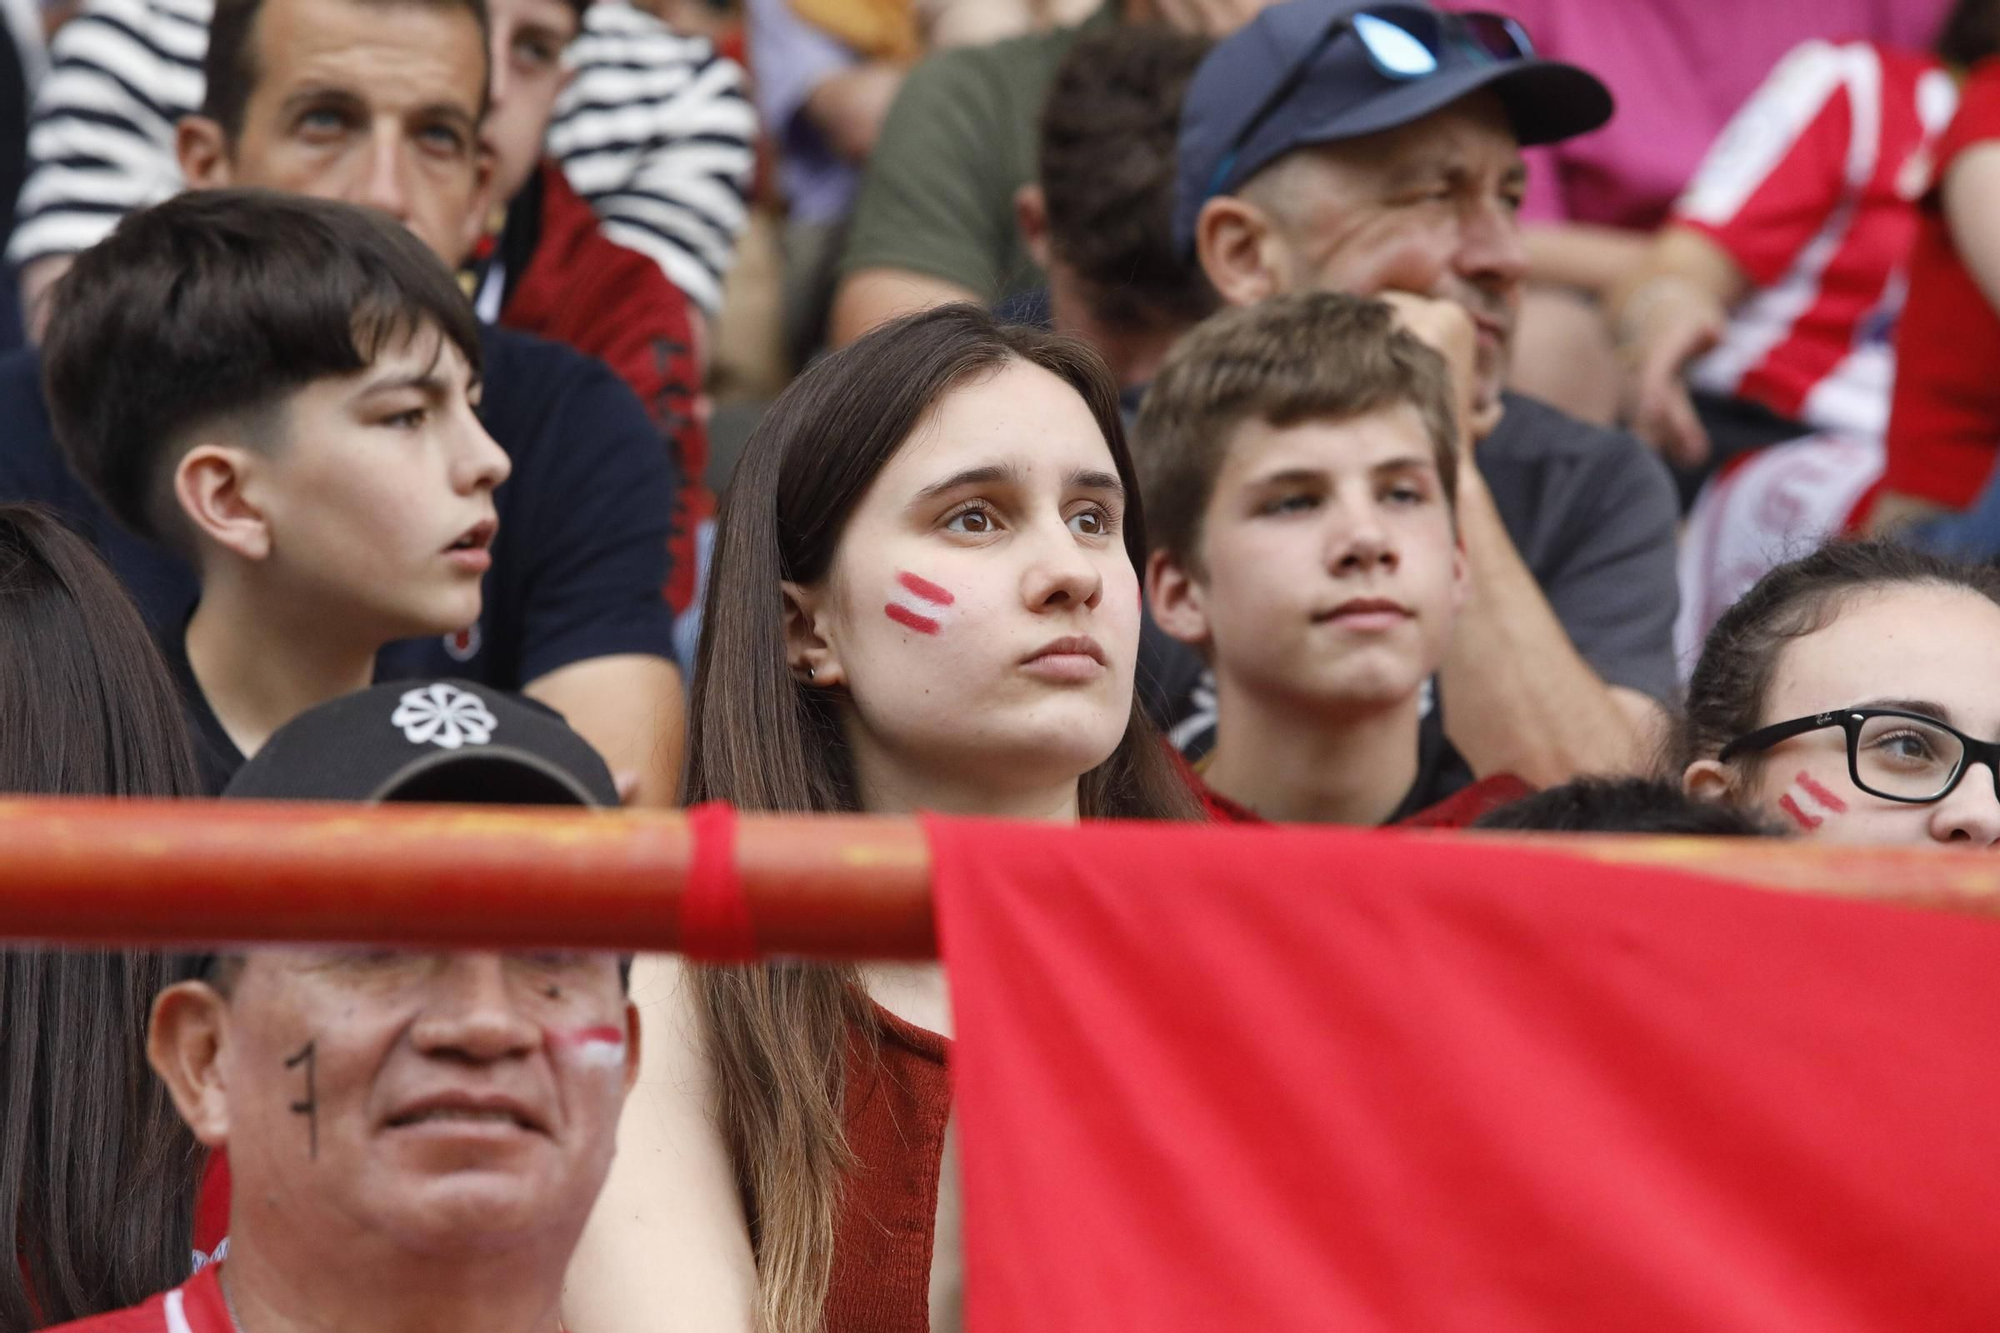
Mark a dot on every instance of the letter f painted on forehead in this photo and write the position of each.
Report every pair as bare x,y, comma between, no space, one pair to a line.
919,604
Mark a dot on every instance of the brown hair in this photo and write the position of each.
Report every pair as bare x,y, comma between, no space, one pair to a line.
1286,360
1725,697
229,69
1969,34
216,306
97,1172
1110,136
761,739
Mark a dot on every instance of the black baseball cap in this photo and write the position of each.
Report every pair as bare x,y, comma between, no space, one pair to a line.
441,740
1307,72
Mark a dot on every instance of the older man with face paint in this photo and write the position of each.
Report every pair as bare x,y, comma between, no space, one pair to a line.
1375,149
415,1139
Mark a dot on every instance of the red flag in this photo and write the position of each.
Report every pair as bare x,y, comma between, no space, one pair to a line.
1277,1079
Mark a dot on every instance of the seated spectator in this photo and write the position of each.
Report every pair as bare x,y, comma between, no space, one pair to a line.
551,269
414,1140
1763,313
1944,422
572,609
1322,151
1654,806
666,162
954,628
1300,463
1849,694
934,221
1098,217
282,390
825,75
97,1173
1681,69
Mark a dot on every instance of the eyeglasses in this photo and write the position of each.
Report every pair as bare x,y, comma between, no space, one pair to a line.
1897,755
1403,42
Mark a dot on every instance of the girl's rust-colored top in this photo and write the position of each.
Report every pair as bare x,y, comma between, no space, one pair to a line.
898,1103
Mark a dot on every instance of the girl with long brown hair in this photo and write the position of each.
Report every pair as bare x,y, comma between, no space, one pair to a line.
97,1172
1849,696
925,596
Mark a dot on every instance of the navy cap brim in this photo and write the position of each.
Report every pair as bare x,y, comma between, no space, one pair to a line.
1546,101
489,775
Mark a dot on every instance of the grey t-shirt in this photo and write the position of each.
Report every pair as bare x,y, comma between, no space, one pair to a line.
1592,513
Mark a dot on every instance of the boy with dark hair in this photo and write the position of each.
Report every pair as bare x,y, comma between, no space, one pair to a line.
1099,217
379,103
1299,460
283,390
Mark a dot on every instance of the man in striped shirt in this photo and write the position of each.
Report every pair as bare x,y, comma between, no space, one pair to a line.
653,130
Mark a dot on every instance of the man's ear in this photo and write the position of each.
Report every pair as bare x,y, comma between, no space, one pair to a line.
810,653
202,149
1709,780
631,1045
185,1045
1031,215
210,487
1174,598
1240,249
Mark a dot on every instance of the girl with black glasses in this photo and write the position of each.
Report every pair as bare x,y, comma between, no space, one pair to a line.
1850,695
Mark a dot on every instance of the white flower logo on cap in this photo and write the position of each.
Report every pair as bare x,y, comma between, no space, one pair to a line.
444,716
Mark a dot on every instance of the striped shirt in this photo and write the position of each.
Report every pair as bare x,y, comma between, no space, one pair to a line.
1813,192
654,130
196,1306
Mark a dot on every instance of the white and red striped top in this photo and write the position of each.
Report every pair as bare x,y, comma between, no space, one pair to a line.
196,1306
1812,190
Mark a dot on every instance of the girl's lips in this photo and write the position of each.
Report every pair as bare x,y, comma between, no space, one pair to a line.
1071,659
1064,668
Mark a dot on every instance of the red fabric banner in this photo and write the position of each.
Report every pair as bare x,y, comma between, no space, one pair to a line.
1283,1079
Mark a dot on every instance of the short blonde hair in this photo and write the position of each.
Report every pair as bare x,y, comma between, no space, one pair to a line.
1290,359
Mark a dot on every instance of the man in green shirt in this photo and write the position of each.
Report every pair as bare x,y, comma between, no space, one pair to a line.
936,218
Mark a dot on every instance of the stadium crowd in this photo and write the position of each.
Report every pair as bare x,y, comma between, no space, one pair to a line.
1579,418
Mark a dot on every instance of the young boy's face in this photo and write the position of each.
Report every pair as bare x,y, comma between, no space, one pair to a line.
1331,569
376,498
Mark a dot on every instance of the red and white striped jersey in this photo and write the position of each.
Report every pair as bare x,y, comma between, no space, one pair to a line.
196,1306
1812,190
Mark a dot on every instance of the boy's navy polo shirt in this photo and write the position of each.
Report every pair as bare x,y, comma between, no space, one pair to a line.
580,561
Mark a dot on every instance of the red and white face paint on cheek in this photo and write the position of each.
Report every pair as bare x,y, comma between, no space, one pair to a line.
601,1047
1810,803
918,604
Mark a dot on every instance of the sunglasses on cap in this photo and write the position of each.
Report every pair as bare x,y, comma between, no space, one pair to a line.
1403,43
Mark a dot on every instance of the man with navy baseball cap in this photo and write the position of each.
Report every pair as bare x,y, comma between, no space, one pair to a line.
1375,149
415,1138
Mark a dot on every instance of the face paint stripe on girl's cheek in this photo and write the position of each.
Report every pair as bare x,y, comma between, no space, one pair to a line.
925,589
1821,794
902,615
920,605
1800,817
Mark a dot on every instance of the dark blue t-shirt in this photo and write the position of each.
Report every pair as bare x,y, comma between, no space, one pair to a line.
580,561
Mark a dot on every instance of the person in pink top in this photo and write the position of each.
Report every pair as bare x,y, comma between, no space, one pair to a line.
1680,69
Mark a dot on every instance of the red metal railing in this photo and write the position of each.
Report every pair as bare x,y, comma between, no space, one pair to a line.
202,872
